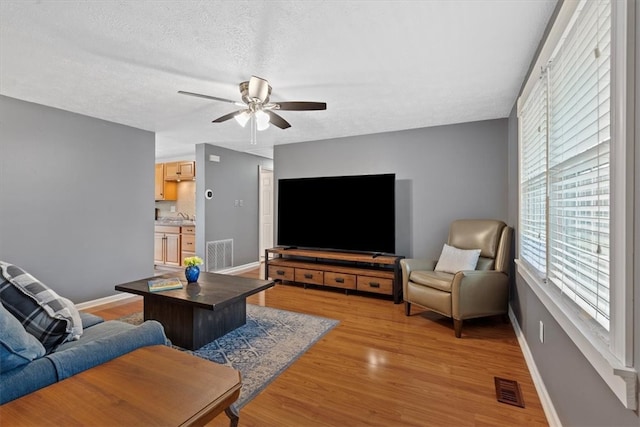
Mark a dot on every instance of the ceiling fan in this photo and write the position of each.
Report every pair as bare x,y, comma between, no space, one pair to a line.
255,100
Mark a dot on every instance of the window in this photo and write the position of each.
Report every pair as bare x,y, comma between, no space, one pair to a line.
566,204
578,162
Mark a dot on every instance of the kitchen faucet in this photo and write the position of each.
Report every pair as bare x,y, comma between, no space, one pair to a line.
184,216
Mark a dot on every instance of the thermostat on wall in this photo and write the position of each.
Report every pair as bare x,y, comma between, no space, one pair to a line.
208,194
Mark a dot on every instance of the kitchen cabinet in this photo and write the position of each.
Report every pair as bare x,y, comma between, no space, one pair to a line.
188,242
167,248
165,190
177,171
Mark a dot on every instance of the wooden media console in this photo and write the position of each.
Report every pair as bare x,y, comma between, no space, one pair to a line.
379,274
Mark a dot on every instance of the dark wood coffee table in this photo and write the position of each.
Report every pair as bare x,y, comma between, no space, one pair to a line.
199,312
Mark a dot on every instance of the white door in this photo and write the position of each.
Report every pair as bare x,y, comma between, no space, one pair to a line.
266,211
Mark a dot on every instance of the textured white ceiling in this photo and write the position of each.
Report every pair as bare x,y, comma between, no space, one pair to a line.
379,65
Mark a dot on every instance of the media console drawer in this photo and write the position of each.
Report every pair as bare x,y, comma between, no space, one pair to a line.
282,273
340,280
375,284
312,277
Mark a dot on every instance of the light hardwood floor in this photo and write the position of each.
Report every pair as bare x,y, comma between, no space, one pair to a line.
379,367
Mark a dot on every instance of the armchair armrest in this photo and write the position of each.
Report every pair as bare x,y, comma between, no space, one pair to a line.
479,293
409,265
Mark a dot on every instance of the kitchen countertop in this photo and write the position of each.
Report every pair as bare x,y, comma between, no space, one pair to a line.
175,222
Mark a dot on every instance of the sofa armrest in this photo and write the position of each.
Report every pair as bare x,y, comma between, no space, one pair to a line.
86,355
479,293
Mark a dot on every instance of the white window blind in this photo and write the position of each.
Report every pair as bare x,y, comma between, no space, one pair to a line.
578,162
564,163
533,177
583,272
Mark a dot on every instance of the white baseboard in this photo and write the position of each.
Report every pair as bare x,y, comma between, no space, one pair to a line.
239,268
545,399
100,301
121,296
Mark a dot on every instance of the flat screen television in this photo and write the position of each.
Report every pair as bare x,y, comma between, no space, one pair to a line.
348,213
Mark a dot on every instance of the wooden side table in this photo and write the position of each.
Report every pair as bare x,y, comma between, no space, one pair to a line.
155,385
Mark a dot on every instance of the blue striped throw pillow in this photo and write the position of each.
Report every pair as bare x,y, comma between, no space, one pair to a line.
43,313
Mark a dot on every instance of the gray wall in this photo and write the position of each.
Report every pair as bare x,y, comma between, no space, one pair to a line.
579,395
235,177
76,199
442,173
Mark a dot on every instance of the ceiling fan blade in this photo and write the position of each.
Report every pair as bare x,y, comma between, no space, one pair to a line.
277,120
226,117
215,98
301,106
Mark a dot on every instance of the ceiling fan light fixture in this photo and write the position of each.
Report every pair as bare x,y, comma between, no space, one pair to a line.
242,118
262,120
258,89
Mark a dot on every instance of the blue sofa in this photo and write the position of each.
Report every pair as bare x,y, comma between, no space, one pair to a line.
100,342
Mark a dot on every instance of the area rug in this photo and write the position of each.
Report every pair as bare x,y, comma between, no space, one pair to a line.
264,347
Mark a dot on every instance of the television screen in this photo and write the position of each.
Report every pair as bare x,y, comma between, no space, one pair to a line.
350,213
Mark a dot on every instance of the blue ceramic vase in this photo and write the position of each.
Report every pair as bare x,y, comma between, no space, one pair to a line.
192,273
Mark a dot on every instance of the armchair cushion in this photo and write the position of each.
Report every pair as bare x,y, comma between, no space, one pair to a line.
453,259
433,279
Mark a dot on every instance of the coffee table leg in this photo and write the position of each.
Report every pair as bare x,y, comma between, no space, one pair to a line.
232,413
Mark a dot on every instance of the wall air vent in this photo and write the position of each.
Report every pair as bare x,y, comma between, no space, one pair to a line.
219,255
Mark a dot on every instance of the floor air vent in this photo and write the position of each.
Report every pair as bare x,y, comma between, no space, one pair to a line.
219,255
508,391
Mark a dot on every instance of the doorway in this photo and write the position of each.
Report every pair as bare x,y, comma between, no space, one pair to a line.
265,229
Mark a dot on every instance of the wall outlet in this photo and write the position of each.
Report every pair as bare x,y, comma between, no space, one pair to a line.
241,203
173,208
236,203
541,331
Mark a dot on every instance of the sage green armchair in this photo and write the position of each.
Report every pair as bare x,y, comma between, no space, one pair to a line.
464,294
